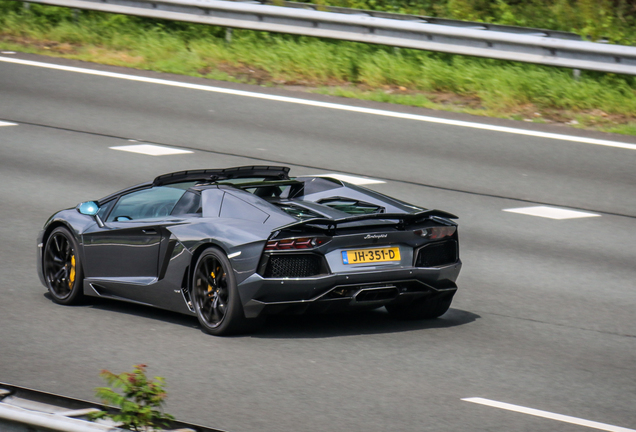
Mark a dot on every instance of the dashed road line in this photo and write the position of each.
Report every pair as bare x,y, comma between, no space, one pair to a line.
551,212
548,415
7,124
329,105
151,149
350,179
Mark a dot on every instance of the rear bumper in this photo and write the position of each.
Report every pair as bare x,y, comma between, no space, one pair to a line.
265,296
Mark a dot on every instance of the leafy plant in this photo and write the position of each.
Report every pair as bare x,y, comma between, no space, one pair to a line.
140,403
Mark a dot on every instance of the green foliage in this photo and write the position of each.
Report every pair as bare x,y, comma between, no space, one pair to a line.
140,401
592,19
626,129
350,69
614,20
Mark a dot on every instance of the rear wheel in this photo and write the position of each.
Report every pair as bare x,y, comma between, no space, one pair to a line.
421,309
62,267
215,295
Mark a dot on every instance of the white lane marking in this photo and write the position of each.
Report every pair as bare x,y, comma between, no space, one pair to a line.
327,105
8,52
349,179
152,150
549,415
7,124
551,212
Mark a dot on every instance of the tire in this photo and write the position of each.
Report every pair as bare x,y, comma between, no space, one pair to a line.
427,308
62,267
215,296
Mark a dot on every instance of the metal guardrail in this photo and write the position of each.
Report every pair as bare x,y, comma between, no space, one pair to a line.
405,33
423,18
28,410
16,419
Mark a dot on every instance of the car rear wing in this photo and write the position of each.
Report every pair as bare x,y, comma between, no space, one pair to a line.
400,220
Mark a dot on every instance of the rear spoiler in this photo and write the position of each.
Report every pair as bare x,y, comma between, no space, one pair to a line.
402,219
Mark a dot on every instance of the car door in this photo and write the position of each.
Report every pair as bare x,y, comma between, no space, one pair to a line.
125,250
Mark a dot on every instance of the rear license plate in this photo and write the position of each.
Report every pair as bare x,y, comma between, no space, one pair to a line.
371,255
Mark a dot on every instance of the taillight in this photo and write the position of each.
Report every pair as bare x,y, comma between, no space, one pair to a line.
438,232
296,243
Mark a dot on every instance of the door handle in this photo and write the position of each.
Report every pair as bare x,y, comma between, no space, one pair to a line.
149,231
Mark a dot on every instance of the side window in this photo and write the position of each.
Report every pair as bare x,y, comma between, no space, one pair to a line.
190,203
148,203
105,208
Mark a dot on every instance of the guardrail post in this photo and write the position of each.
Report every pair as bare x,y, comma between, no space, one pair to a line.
577,74
228,35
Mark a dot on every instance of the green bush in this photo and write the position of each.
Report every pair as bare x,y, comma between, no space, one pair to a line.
140,401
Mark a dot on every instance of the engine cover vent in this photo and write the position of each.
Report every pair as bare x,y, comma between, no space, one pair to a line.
293,266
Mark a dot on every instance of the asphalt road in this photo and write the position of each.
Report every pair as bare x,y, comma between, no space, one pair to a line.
544,317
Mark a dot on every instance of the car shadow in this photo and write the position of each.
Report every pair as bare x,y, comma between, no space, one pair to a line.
118,306
354,323
307,326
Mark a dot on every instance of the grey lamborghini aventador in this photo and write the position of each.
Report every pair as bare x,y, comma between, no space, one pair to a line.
233,245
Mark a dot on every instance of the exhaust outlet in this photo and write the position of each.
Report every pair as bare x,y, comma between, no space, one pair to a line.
376,294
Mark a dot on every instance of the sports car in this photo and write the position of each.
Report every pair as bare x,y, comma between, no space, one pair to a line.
233,245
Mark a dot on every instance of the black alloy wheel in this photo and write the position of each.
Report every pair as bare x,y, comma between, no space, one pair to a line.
62,267
215,296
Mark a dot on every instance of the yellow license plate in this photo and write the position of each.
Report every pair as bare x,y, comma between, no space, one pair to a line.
362,256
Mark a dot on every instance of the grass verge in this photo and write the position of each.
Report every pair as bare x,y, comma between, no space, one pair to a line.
486,87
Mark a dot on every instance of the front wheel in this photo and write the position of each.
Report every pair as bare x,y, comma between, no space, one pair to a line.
422,309
215,295
62,267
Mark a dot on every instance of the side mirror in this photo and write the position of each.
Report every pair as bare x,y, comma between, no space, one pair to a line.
88,208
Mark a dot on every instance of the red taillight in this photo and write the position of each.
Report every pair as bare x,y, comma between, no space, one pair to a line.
303,244
285,244
297,243
438,232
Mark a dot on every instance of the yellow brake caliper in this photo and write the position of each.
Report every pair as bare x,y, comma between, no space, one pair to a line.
210,289
71,276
